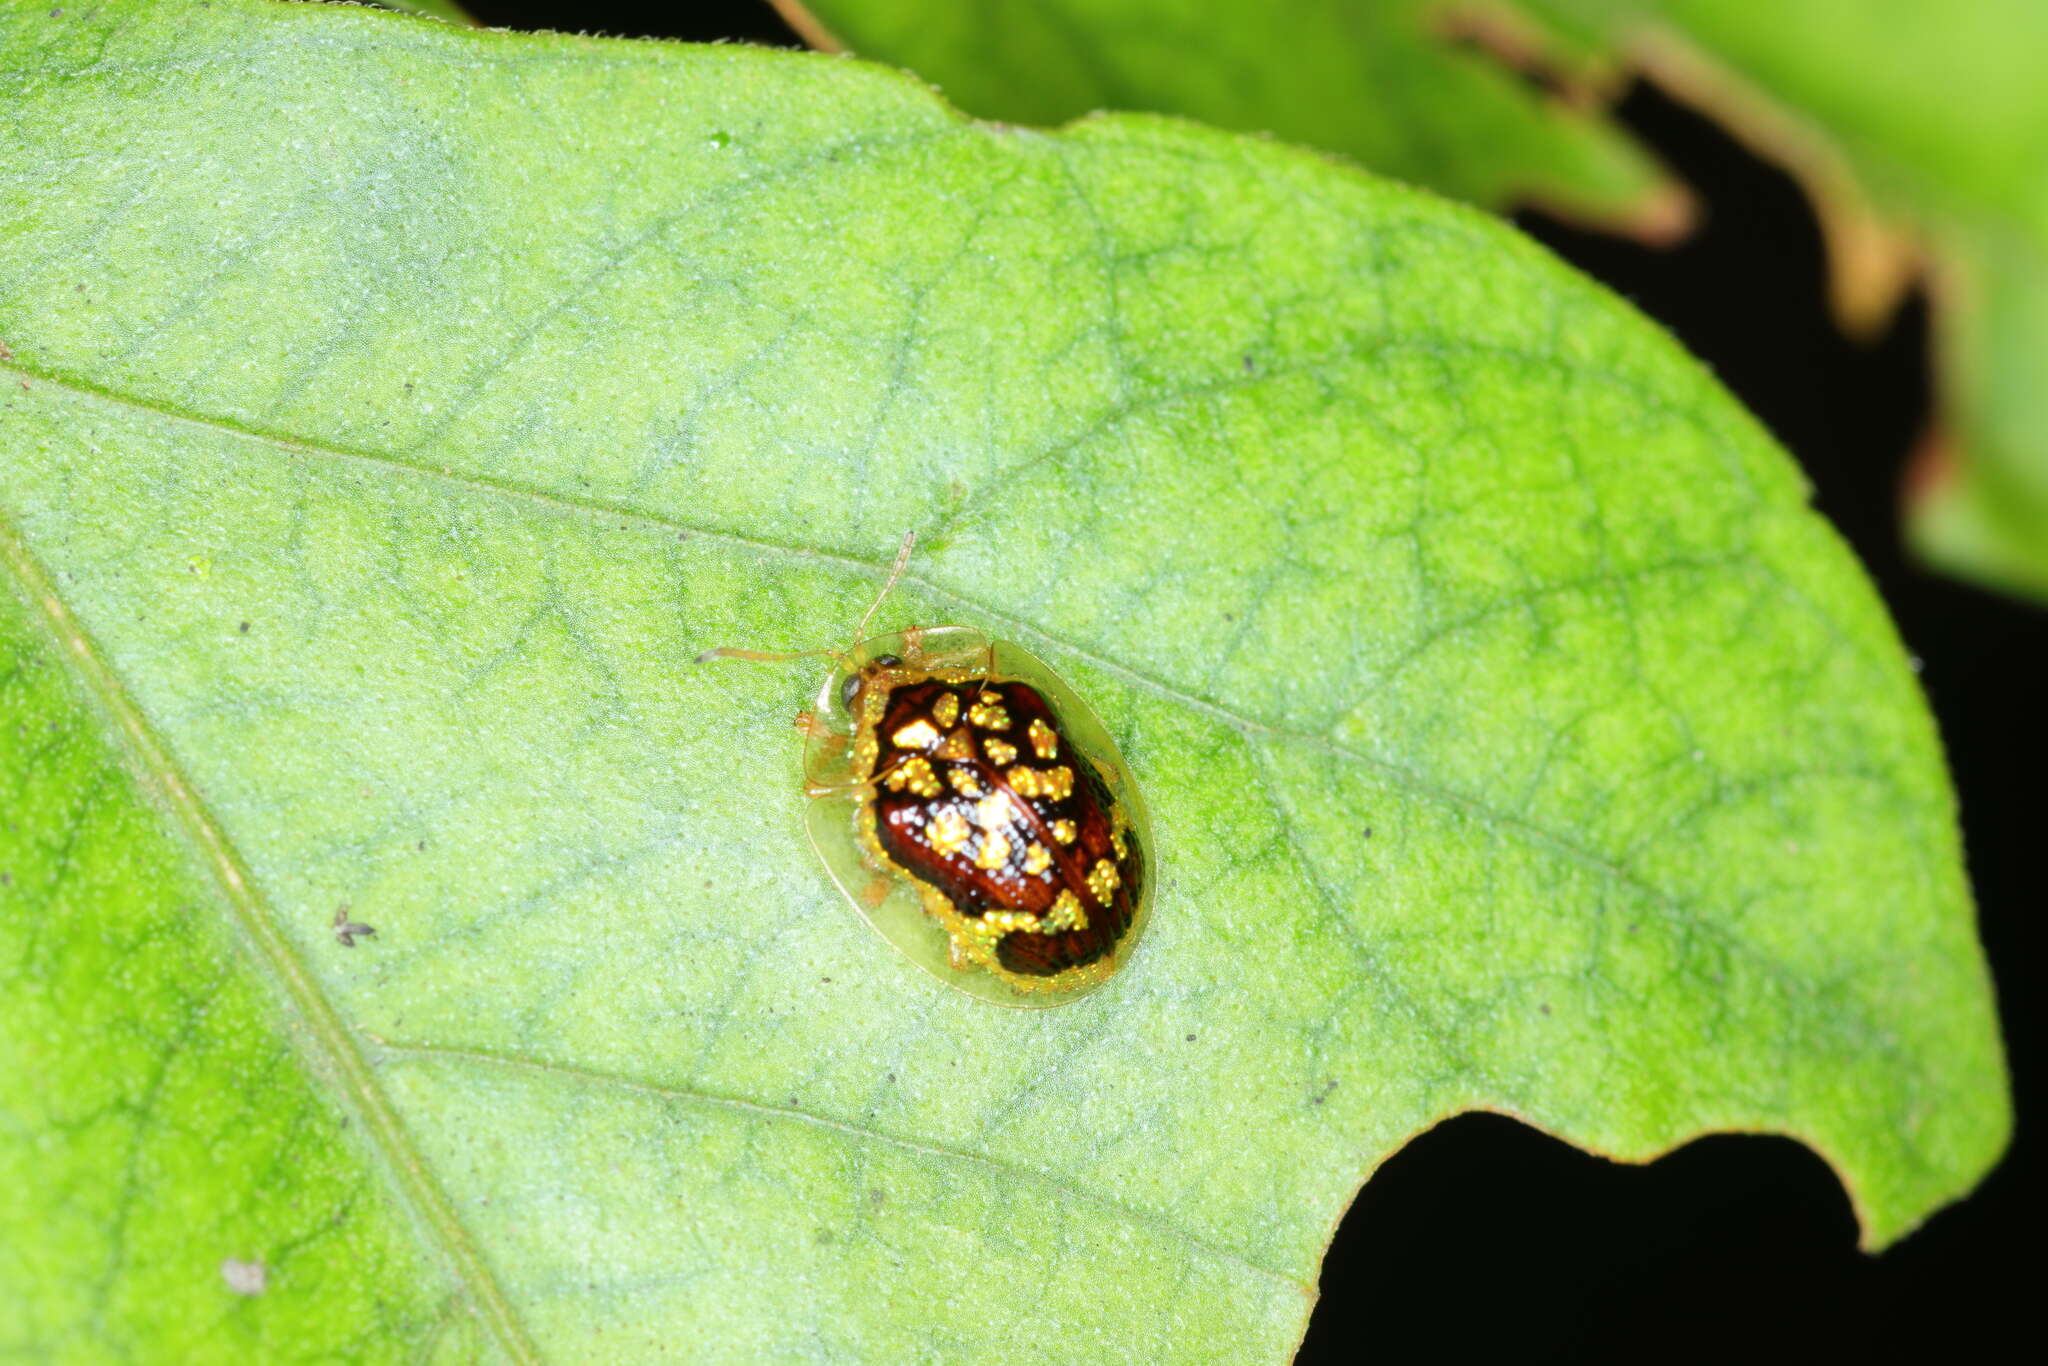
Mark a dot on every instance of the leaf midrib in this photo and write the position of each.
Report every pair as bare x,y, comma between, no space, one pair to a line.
1401,777
325,1038
1666,905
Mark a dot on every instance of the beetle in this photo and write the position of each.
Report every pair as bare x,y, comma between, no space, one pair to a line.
974,810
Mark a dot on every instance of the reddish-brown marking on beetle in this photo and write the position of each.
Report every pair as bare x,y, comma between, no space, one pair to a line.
1027,846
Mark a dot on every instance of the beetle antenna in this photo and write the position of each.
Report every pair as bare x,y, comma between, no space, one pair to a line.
859,633
895,572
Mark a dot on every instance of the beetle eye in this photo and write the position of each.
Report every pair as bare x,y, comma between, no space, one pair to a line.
853,680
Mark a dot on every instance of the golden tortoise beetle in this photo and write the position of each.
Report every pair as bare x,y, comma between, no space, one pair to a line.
973,810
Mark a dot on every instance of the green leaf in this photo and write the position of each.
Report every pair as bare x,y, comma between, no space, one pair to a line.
393,412
1384,82
1918,127
1935,116
432,9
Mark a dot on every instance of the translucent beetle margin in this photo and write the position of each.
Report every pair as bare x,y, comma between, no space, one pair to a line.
904,909
913,909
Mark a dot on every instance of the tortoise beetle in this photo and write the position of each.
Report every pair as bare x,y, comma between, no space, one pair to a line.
974,811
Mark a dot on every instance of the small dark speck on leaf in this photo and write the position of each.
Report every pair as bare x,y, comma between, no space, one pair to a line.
421,846
1544,1007
245,628
682,535
892,1076
245,1278
1368,832
348,931
1191,1038
6,878
1319,1097
878,1196
1248,366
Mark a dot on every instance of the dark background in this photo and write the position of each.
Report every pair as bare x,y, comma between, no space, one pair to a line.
1484,1237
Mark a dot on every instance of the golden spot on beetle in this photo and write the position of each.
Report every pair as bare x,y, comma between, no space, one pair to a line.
919,734
958,747
1103,880
1000,753
916,774
993,925
1045,742
1066,914
1055,784
1064,832
993,812
988,714
948,833
946,710
1116,842
963,781
1037,858
995,850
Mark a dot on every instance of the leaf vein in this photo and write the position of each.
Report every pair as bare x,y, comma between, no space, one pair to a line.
328,1041
788,1114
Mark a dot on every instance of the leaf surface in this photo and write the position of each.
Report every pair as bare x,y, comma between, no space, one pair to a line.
1920,128
392,412
1925,123
432,9
1387,83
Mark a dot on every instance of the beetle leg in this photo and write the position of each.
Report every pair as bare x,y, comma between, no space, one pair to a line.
830,742
913,648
